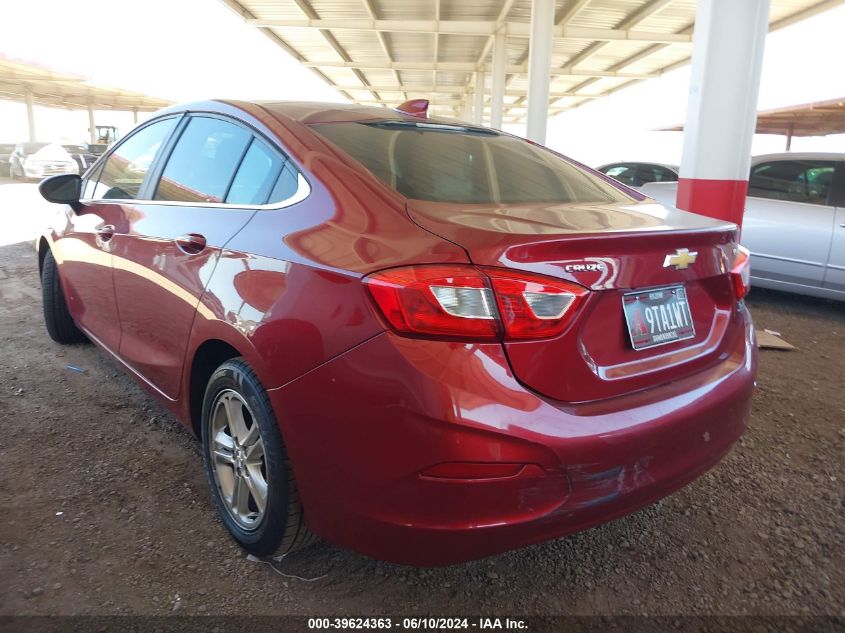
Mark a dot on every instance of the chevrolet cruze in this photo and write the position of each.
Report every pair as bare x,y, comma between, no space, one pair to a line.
420,339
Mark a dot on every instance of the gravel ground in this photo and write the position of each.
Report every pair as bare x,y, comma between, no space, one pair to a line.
106,510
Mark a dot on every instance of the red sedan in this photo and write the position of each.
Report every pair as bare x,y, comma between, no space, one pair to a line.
420,339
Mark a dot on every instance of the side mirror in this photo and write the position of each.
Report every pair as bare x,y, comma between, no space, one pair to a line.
62,189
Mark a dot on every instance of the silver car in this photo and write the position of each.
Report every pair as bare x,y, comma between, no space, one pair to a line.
794,223
636,174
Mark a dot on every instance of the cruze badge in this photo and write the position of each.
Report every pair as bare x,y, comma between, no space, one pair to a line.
680,259
585,267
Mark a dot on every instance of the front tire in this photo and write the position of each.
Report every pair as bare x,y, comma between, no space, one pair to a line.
60,325
252,484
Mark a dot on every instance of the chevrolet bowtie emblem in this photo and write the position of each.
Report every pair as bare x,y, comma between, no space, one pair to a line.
680,259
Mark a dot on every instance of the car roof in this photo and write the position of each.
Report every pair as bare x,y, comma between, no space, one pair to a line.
762,158
308,112
639,162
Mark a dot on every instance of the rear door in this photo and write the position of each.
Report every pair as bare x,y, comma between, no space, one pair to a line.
788,220
214,177
835,273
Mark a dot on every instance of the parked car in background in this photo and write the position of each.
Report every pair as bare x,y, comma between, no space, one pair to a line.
424,340
37,160
82,156
794,223
6,150
638,174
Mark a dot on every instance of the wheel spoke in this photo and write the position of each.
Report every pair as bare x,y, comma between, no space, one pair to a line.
255,452
257,487
252,436
224,456
237,423
241,505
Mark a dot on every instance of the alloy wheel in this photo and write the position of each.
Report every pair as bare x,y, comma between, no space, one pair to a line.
238,459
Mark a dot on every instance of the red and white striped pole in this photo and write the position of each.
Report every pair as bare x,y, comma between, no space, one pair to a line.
727,58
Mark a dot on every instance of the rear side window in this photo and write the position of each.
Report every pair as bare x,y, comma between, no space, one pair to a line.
454,163
622,173
203,162
256,175
805,181
661,174
126,167
286,185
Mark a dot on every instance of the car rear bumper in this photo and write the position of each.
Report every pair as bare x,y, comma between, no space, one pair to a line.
363,428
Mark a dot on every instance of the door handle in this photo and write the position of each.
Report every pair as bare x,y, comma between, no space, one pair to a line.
190,243
105,232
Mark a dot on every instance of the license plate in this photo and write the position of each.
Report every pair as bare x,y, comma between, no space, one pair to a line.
657,317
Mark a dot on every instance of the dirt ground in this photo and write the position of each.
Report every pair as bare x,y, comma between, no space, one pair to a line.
105,509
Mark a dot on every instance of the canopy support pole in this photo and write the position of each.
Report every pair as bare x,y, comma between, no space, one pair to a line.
497,88
478,109
539,68
92,130
727,58
30,115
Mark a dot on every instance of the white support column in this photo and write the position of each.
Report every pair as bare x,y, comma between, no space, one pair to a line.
466,112
30,116
727,58
539,68
478,108
135,115
92,131
497,89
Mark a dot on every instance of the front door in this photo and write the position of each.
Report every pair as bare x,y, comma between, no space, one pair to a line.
86,250
835,274
788,220
84,253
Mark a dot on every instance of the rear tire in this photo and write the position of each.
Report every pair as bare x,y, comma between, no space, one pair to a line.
60,325
235,399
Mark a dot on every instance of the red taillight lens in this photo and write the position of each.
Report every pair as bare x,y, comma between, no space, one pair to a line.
532,306
437,301
741,272
467,303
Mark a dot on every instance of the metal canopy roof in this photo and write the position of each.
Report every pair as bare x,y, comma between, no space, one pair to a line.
18,79
387,51
808,119
819,118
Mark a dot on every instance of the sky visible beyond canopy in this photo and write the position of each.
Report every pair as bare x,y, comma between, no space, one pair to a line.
186,50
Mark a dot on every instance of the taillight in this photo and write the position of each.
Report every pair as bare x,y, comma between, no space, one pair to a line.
741,272
533,306
468,303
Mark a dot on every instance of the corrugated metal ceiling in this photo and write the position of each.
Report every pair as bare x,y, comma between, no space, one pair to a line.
386,51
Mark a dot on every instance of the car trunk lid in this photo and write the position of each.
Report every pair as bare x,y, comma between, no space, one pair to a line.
614,250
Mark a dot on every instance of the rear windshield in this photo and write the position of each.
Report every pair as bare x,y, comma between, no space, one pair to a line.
454,163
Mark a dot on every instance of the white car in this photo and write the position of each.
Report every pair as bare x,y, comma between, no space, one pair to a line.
37,160
794,223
